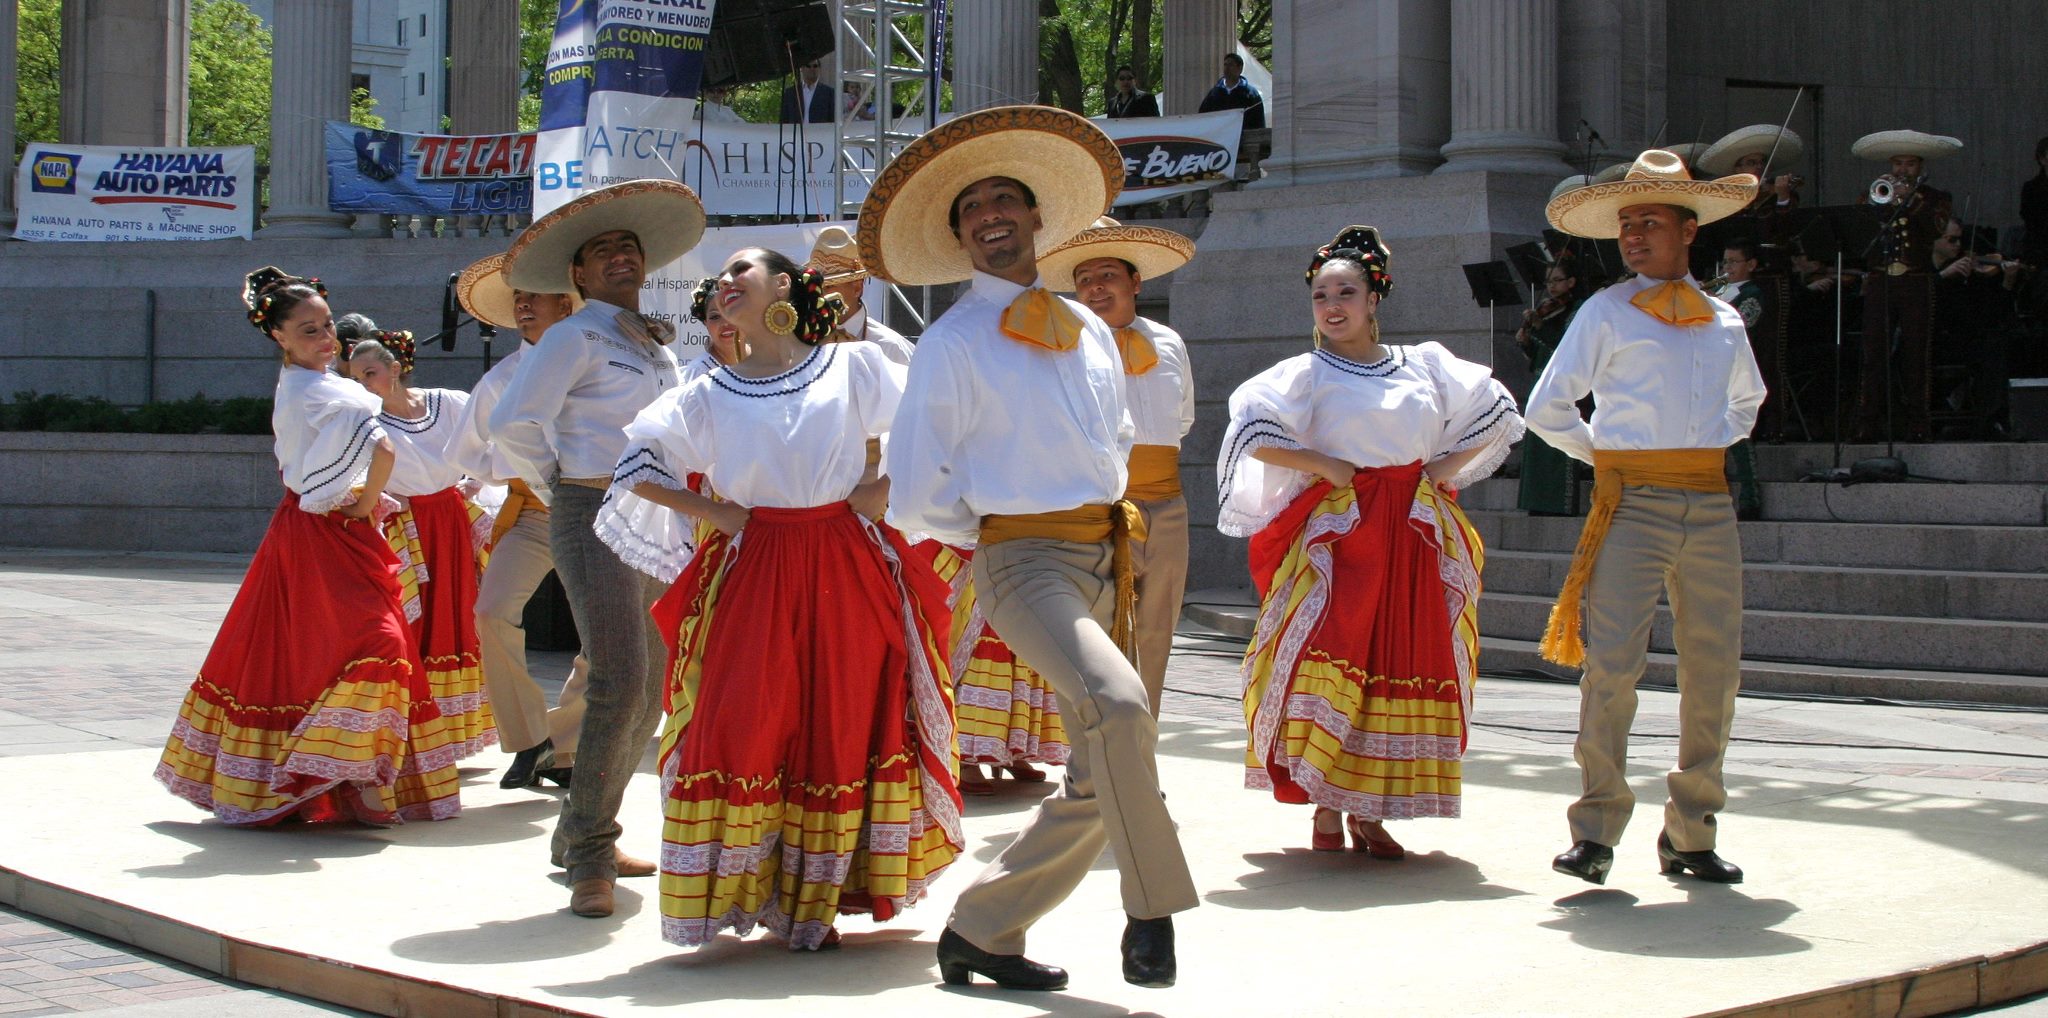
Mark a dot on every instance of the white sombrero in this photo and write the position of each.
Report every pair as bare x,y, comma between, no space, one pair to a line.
665,215
1756,139
1657,178
488,298
1068,163
1571,183
1885,144
1154,251
837,255
1611,173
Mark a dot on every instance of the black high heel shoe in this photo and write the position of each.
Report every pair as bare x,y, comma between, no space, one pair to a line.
959,960
1705,865
558,775
1587,860
527,765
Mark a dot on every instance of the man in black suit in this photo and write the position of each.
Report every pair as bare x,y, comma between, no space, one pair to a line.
809,95
1129,100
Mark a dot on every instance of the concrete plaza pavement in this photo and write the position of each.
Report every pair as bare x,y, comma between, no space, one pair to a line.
1898,861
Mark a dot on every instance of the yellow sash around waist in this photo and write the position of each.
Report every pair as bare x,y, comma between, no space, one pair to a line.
1614,469
1119,524
1155,473
518,499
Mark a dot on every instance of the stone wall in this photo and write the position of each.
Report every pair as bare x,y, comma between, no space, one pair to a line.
137,492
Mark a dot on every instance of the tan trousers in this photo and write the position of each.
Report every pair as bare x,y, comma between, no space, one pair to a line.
1162,568
519,562
1683,543
1051,601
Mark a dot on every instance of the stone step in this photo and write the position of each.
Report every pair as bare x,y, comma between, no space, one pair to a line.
1231,610
1833,590
1872,545
1861,641
2014,505
1974,462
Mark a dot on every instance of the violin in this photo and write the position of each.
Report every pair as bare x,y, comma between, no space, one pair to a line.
1549,309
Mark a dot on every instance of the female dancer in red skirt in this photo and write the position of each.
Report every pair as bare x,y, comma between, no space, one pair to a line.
438,535
808,773
1338,465
312,703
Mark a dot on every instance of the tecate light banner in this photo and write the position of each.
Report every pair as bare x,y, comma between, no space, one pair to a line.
1166,156
108,192
400,174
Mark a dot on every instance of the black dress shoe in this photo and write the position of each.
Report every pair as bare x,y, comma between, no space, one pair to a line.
527,764
559,775
1704,865
1148,951
1587,860
960,960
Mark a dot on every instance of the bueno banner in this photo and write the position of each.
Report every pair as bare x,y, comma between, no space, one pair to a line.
1167,156
108,192
400,174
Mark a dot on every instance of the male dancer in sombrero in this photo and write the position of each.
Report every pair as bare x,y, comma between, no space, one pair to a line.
1012,436
1674,384
561,426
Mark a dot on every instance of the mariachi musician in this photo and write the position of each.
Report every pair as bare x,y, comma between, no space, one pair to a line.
1750,150
1898,294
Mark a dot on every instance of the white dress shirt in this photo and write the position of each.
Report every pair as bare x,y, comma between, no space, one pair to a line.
423,448
993,425
326,429
1654,385
566,410
472,448
894,346
1162,399
1417,404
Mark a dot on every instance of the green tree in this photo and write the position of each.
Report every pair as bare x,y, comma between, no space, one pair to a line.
38,31
536,33
229,89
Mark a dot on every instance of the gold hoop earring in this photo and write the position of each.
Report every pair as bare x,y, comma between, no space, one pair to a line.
1375,328
1315,337
780,318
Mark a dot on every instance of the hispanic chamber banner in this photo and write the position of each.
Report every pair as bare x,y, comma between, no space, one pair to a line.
109,192
667,293
1167,156
428,174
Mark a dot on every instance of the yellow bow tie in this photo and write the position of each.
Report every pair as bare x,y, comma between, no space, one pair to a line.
1675,302
1041,319
1138,352
644,328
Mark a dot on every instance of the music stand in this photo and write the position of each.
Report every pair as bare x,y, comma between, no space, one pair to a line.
1492,287
1531,262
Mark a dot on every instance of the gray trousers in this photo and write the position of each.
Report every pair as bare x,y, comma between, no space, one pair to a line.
1051,601
622,697
1684,544
519,561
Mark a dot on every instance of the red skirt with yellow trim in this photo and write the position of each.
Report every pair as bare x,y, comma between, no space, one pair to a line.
436,540
1358,680
807,764
1008,714
311,705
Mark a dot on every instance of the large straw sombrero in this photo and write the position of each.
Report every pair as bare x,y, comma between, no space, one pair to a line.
1885,144
1657,178
665,215
1068,163
487,297
837,255
1571,183
1688,153
1756,139
1154,251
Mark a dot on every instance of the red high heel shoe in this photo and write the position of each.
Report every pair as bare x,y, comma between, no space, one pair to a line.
1024,772
1322,841
971,782
1377,844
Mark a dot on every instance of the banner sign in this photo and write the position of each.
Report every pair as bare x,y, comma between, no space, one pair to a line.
1168,156
400,174
111,192
666,294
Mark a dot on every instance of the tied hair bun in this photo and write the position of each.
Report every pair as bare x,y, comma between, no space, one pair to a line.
399,342
267,293
700,302
1361,244
818,313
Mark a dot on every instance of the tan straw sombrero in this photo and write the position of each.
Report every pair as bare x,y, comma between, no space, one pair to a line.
1571,183
1756,139
1688,153
487,297
837,255
665,215
1068,163
1885,144
1657,178
1154,251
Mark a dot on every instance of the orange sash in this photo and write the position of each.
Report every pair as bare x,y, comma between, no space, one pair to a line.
1155,473
1119,524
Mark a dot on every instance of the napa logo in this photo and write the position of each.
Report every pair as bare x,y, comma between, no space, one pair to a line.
55,173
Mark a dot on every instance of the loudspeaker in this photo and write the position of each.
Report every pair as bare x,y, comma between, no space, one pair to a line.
761,40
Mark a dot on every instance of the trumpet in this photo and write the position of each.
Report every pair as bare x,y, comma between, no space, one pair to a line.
1886,189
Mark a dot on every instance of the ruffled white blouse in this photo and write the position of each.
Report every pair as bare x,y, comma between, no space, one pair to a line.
427,449
326,428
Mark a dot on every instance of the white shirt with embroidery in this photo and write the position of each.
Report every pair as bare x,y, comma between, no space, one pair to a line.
565,412
991,424
1415,404
424,448
1654,385
1162,399
326,429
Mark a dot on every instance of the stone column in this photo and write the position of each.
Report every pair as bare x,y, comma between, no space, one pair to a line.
309,71
995,54
1196,35
1362,89
124,64
8,74
1504,88
483,80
